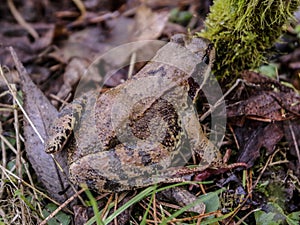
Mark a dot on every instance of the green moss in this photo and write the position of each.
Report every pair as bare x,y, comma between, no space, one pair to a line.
244,30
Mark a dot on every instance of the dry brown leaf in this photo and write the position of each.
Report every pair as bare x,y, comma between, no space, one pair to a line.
262,136
148,24
269,100
41,113
16,36
261,107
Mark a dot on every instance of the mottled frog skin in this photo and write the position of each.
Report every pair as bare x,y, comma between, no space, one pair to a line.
143,131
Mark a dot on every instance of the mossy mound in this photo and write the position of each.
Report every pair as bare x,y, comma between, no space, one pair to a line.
244,30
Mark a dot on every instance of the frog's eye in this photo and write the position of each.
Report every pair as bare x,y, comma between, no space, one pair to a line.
206,58
90,182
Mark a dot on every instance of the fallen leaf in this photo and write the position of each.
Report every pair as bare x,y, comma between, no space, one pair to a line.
41,113
269,100
16,36
261,136
148,24
261,107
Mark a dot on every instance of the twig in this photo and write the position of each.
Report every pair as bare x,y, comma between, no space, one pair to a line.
21,20
279,162
248,214
64,102
6,172
154,210
234,137
249,193
81,8
131,64
4,161
105,211
220,101
115,208
61,207
18,156
295,141
7,106
4,141
15,97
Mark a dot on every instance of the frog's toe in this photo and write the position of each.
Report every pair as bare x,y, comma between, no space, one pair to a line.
61,131
56,143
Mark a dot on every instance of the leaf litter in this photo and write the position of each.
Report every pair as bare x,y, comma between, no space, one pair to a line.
263,114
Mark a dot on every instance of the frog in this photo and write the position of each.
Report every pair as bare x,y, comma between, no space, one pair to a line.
143,131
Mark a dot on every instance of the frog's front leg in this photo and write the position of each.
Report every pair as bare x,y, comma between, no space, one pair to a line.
64,125
200,144
211,159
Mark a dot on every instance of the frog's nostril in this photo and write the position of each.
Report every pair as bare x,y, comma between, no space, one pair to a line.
90,182
68,131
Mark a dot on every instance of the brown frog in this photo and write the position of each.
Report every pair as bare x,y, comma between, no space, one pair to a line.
143,131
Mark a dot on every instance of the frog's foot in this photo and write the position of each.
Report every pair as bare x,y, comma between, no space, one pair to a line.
178,174
64,125
219,168
62,129
214,171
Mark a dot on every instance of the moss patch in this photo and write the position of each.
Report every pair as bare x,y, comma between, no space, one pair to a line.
244,30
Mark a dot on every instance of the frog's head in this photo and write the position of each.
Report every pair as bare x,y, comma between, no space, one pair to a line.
201,47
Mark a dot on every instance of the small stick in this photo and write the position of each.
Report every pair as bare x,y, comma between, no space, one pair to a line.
61,207
21,20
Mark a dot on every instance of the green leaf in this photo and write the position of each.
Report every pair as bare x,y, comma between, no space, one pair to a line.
132,201
94,205
144,220
204,198
293,218
269,70
147,192
211,201
59,219
20,195
181,17
297,30
273,214
263,218
11,165
212,220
